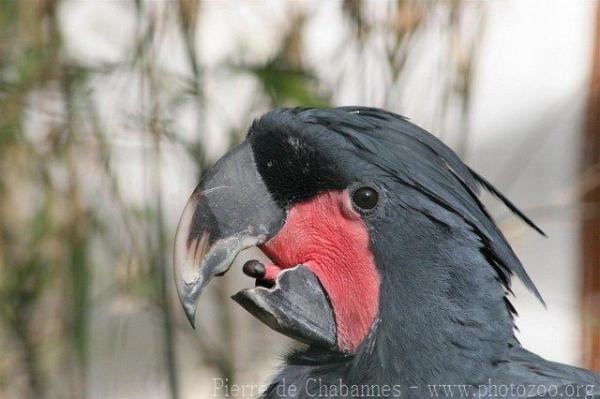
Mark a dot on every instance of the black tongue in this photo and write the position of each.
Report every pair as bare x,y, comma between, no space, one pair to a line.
254,268
296,306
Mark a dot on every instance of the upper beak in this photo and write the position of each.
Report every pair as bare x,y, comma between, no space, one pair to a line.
229,211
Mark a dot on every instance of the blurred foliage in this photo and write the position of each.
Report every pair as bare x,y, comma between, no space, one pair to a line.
72,241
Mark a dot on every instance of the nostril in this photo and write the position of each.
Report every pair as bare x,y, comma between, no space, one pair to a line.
254,269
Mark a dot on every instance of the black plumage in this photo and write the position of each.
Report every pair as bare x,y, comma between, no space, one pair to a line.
444,317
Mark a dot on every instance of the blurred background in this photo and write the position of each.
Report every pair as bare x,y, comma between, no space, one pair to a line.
111,110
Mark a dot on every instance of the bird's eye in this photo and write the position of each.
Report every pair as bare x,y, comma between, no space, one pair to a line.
365,198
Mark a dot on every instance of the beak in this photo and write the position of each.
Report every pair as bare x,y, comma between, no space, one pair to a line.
232,210
296,306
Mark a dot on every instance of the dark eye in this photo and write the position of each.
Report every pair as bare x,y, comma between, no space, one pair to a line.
365,198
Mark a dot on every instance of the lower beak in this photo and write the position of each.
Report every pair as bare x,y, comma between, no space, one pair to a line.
229,211
296,306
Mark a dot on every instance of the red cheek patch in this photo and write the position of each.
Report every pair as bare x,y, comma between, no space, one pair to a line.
329,237
271,272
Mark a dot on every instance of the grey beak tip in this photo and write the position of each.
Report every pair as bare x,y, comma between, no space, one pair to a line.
190,314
